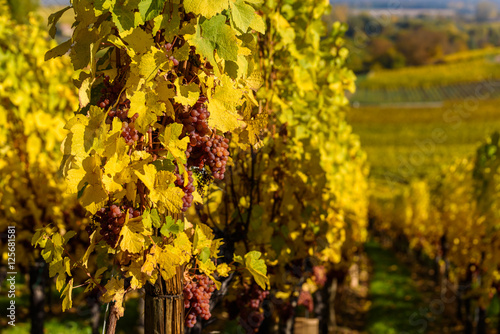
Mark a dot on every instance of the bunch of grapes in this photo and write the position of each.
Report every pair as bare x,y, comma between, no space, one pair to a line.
121,111
319,275
195,120
249,304
217,150
187,200
306,300
197,292
205,147
129,133
111,221
111,94
168,47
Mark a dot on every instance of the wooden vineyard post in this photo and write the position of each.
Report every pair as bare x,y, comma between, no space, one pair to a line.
164,306
164,303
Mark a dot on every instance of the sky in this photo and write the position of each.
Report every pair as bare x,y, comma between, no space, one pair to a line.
54,2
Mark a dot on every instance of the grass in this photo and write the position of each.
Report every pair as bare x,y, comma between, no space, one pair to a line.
416,142
394,296
53,326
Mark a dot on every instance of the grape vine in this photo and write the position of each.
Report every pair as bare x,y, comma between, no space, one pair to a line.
159,98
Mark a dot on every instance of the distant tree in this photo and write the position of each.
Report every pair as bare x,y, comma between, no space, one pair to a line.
422,46
384,54
339,12
485,11
20,9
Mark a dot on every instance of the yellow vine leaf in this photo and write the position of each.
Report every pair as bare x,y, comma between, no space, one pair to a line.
74,143
164,94
138,106
149,176
150,263
89,250
255,80
223,269
214,248
60,267
256,266
168,197
149,63
94,195
186,94
139,41
139,278
170,139
203,237
67,301
207,8
114,166
168,262
114,293
183,247
132,235
222,105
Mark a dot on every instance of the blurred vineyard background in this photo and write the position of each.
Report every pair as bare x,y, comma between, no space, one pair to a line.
426,111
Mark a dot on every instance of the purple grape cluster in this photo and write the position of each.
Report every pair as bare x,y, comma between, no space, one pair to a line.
249,304
187,200
197,292
111,221
205,147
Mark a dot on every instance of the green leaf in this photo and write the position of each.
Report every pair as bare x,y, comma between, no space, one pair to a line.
171,226
222,36
155,217
53,18
242,14
68,235
182,53
203,46
149,9
169,21
124,15
151,218
204,255
58,50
